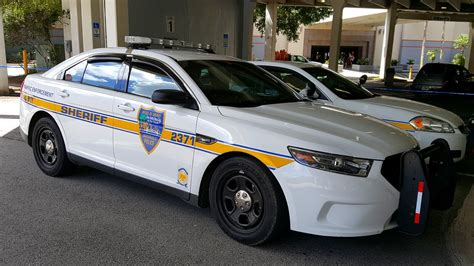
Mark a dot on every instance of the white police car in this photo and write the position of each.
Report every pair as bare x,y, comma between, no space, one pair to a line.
425,122
219,131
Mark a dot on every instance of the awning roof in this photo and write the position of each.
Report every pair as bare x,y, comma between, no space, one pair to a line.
444,10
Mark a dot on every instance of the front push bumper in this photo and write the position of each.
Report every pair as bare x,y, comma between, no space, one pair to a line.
424,186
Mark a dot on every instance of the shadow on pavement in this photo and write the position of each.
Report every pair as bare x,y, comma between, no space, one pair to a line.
14,134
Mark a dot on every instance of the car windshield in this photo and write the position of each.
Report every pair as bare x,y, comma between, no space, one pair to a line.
338,84
238,84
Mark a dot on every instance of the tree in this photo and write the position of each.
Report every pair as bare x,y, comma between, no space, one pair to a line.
461,42
28,23
290,18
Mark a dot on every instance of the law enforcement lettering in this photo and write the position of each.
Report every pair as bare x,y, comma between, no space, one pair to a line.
84,115
38,91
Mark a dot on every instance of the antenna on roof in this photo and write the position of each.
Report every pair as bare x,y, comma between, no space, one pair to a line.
140,42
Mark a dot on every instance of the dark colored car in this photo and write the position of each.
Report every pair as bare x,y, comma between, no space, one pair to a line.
444,77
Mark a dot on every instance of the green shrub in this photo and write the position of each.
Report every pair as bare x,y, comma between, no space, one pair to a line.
459,59
362,61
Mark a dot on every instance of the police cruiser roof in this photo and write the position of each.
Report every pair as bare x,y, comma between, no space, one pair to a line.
179,50
183,55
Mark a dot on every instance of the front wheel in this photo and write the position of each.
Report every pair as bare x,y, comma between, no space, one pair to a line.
246,201
49,149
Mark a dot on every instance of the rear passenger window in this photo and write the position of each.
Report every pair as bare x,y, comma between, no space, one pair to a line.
145,79
76,72
102,74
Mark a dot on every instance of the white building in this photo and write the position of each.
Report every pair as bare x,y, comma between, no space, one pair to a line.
362,34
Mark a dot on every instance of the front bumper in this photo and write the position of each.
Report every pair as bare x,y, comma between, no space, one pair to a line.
331,204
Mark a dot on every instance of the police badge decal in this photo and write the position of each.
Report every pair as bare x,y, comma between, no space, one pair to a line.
151,123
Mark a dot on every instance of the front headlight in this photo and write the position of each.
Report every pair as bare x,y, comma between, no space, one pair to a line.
332,162
423,123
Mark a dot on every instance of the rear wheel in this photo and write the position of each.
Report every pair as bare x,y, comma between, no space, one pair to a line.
49,149
246,201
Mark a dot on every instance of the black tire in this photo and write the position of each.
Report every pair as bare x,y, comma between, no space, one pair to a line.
255,215
52,160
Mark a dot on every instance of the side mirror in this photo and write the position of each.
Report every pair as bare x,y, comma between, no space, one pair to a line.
169,97
363,79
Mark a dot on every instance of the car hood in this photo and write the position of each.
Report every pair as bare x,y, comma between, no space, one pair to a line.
415,108
326,128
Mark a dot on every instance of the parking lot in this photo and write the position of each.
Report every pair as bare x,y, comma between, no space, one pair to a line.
92,217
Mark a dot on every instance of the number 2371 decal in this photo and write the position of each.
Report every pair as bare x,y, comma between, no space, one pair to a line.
182,138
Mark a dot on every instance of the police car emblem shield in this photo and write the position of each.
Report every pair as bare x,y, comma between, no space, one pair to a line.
151,123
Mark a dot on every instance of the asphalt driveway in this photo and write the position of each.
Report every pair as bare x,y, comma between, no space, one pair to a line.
95,218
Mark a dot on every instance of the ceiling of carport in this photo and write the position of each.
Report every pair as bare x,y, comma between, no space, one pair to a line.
458,6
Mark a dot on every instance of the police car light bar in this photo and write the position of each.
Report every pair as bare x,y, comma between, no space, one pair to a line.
145,42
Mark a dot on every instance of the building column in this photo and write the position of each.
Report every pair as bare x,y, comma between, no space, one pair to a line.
66,31
116,29
76,26
92,24
248,8
387,44
336,30
471,51
270,30
4,90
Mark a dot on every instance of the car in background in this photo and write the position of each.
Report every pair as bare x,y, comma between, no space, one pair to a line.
438,77
298,58
283,56
425,122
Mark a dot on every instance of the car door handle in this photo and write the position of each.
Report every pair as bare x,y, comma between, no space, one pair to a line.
63,93
126,107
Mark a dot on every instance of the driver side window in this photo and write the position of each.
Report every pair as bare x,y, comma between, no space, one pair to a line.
146,78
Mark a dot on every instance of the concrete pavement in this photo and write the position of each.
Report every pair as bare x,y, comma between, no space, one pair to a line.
9,111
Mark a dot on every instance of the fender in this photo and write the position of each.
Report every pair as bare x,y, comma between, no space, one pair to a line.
35,111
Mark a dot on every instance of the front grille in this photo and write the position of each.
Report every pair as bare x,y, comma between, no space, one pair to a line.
391,170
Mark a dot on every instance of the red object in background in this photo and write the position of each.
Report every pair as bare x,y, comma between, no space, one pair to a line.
281,55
